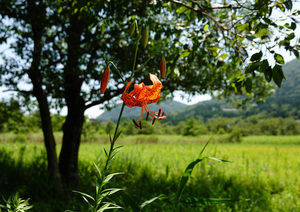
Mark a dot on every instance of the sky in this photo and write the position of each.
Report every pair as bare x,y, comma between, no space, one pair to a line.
94,112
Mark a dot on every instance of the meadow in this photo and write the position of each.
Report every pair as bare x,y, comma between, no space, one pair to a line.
263,172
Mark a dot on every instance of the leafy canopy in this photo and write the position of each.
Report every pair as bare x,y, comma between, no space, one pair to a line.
206,45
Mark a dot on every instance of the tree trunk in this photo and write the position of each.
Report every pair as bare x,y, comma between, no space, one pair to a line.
36,77
68,159
49,142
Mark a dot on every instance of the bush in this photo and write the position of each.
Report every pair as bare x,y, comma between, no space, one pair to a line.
193,128
235,136
219,125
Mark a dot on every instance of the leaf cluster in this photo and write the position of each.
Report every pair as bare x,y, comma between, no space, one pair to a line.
16,204
204,45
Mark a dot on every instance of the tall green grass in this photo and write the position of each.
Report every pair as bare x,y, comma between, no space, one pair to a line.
263,172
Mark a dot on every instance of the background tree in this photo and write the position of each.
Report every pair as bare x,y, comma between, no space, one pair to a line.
11,115
193,128
61,47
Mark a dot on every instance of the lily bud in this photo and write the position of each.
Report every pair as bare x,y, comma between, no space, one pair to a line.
104,80
162,67
131,29
145,35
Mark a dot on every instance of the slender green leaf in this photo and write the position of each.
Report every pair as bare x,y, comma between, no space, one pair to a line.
110,191
98,171
108,206
85,195
217,159
150,201
105,152
118,134
117,70
205,146
108,177
112,156
184,179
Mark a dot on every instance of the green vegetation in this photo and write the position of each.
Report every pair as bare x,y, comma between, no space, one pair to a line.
284,102
263,172
236,126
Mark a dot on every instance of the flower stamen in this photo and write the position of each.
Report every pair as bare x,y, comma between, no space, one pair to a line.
135,123
153,121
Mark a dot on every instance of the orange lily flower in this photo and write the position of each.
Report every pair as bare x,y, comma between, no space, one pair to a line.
143,95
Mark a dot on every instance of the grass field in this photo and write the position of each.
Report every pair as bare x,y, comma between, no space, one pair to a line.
263,172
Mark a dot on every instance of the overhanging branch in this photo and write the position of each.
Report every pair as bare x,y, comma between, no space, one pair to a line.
107,96
204,11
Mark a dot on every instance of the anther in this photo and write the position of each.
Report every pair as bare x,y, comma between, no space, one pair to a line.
159,111
140,124
163,113
147,116
153,121
135,123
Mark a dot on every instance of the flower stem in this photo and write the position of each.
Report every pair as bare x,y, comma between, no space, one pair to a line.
112,142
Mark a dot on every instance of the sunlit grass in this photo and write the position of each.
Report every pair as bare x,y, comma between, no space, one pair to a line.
263,169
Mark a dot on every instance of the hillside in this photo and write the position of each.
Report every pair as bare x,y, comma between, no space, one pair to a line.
285,102
168,106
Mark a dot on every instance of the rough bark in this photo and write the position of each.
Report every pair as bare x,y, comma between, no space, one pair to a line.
68,159
36,77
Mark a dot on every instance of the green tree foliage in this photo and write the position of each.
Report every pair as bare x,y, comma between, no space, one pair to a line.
91,129
31,123
61,48
193,128
220,125
11,115
110,126
57,122
270,126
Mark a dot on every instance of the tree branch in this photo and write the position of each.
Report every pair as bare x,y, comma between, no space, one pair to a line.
229,6
204,11
107,96
18,90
